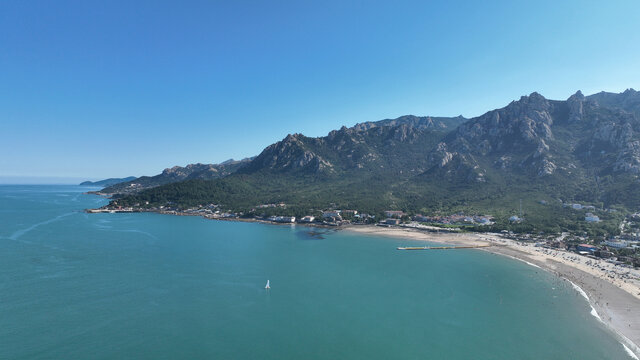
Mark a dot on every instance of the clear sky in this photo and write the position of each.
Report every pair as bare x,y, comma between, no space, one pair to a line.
94,89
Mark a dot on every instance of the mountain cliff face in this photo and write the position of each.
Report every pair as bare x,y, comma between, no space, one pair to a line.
417,122
389,144
293,153
517,135
540,137
532,137
628,101
583,149
395,145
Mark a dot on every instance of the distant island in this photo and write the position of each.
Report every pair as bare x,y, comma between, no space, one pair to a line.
107,182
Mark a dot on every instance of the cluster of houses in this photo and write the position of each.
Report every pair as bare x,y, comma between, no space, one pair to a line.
608,249
456,219
282,219
589,216
118,209
329,217
393,217
266,206
604,252
339,217
211,211
625,241
579,206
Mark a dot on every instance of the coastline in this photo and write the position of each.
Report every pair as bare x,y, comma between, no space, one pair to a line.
615,300
612,298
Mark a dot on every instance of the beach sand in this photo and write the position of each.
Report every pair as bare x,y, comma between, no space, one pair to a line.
613,291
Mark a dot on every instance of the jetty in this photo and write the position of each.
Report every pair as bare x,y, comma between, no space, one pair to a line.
444,247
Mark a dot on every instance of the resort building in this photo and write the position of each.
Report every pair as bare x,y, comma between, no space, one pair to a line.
282,219
586,248
332,215
393,214
616,244
589,217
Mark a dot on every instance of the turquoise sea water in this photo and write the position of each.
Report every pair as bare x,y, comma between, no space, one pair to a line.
148,286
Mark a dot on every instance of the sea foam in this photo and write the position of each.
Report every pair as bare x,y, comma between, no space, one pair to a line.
631,354
584,295
595,314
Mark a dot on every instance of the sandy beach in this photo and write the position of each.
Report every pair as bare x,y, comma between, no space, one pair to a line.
613,291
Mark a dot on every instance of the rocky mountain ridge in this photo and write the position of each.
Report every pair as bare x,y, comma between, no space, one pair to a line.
539,137
107,182
175,174
583,149
362,146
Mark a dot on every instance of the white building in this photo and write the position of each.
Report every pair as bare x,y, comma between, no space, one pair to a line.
616,244
331,213
591,218
393,214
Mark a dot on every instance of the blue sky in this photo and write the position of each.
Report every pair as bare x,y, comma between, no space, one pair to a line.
104,89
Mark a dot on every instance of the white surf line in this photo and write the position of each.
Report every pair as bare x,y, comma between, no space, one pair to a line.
584,295
532,264
17,234
624,341
629,352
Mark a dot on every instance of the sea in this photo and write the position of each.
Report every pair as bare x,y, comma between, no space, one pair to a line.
148,286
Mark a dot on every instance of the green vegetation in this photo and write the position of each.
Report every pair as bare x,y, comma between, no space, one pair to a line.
307,195
543,153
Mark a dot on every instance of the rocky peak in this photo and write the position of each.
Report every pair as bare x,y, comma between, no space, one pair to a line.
190,169
341,132
291,138
629,100
291,153
418,122
523,127
528,119
533,101
576,106
578,96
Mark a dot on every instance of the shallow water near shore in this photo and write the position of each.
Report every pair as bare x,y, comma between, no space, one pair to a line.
149,286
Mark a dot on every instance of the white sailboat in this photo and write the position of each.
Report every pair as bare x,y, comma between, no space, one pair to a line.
267,286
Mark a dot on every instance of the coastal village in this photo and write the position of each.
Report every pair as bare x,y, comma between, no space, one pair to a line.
620,250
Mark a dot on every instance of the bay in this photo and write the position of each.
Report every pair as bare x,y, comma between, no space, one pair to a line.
149,286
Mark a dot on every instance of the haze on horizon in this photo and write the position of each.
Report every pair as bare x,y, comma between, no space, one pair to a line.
98,90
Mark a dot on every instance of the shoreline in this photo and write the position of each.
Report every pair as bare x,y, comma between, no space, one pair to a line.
611,298
614,301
